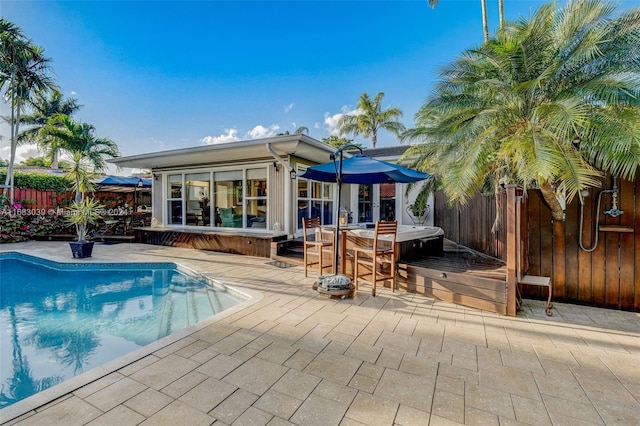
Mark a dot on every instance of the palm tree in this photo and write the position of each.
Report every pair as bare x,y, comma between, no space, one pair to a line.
23,72
88,152
42,108
551,102
369,117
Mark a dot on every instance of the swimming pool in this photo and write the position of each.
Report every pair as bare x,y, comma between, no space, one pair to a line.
58,320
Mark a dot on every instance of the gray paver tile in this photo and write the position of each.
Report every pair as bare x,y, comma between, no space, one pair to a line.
448,405
278,404
531,411
116,393
363,383
148,402
68,412
489,399
372,410
184,384
335,392
233,407
335,367
165,371
120,415
474,416
219,366
208,394
179,413
414,391
296,384
319,411
253,417
510,380
300,359
409,416
245,376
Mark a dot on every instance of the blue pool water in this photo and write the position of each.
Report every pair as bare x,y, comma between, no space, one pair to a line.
59,320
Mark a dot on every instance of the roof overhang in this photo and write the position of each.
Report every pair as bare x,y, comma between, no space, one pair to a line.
301,146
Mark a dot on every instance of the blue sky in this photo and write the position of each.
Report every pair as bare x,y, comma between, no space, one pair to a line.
157,75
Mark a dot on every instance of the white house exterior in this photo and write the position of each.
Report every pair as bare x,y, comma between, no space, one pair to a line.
250,187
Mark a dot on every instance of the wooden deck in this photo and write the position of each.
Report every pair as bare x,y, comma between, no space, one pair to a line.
460,276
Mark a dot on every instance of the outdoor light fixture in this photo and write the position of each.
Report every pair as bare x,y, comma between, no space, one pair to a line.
275,166
140,183
293,174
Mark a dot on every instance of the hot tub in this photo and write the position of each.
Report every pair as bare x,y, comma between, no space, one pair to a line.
411,241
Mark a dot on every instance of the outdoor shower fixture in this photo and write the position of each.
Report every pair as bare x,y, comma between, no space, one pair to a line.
614,212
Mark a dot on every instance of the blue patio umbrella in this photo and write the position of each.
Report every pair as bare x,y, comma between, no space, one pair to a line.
358,169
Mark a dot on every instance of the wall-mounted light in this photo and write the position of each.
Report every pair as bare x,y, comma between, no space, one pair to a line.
275,166
293,174
155,176
140,183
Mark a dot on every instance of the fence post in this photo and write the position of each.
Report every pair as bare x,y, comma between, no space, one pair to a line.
512,253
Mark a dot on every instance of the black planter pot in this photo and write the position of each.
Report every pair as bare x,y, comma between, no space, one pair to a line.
81,250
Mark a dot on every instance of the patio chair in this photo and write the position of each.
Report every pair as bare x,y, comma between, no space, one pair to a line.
376,256
316,250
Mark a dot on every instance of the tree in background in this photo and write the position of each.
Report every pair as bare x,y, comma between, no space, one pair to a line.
88,152
552,102
370,117
23,72
337,142
42,109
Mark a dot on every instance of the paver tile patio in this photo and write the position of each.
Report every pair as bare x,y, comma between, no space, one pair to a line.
292,356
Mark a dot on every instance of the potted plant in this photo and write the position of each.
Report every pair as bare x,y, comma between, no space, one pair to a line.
82,215
419,210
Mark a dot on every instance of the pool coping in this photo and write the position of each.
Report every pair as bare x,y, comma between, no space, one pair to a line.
70,385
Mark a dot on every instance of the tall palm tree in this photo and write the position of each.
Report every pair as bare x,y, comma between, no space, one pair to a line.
23,72
370,117
552,102
88,152
485,20
42,109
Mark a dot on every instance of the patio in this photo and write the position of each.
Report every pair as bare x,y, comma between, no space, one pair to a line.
296,357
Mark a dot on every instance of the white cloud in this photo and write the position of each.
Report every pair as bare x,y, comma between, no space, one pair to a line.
260,131
229,135
331,121
289,107
22,152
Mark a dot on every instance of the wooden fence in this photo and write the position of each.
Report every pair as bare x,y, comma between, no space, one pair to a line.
37,199
471,224
608,276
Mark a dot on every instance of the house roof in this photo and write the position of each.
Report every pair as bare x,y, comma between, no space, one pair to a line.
387,151
301,146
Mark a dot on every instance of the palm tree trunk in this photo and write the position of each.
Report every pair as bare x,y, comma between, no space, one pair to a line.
501,12
549,195
14,147
485,22
374,139
8,184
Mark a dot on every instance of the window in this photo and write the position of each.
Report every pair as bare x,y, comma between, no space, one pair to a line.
365,207
388,201
228,198
198,192
315,199
174,199
256,196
